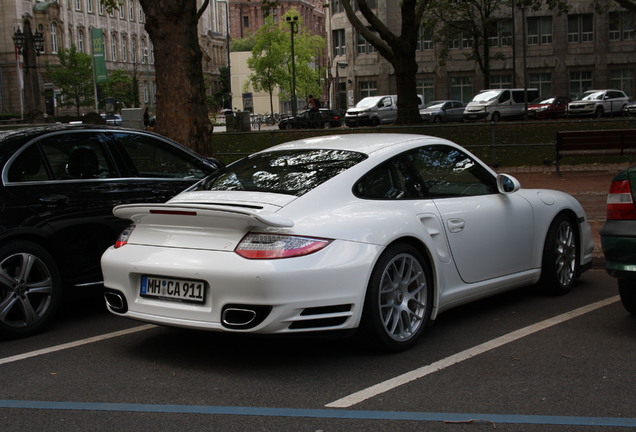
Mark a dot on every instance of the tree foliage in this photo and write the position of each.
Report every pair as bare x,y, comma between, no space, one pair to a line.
74,77
119,86
271,60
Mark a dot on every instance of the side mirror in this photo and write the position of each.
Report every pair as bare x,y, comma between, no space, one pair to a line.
507,184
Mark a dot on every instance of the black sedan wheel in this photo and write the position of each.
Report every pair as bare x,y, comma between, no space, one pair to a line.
560,256
627,290
30,288
398,302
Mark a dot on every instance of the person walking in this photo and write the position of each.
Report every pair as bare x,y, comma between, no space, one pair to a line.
146,119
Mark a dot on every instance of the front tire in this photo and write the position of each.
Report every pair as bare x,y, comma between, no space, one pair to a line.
627,291
560,256
30,289
399,299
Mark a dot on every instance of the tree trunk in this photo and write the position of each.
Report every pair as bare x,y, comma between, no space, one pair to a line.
181,109
408,107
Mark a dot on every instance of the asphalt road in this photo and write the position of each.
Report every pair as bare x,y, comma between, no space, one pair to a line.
520,361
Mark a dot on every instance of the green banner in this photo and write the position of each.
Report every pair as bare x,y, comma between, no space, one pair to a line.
99,56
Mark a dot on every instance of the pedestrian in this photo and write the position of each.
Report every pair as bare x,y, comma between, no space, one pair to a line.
146,118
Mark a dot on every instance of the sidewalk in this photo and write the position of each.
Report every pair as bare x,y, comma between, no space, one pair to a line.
588,183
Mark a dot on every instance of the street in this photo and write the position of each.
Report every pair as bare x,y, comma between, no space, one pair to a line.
520,361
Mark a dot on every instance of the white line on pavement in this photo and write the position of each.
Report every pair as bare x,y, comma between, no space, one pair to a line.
405,378
74,344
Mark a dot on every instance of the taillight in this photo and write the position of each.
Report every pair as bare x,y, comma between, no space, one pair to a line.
620,203
273,246
123,237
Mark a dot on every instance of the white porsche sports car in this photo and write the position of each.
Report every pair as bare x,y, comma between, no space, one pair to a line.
379,232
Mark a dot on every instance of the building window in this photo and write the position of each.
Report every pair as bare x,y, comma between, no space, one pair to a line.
622,79
133,50
246,23
53,38
461,88
131,10
78,5
424,40
426,88
541,81
113,47
122,11
363,46
458,38
539,30
579,83
500,81
89,6
124,48
501,34
336,6
580,28
621,26
367,88
338,42
101,8
80,41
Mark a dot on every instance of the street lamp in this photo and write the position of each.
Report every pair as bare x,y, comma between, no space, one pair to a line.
30,46
148,88
227,41
293,24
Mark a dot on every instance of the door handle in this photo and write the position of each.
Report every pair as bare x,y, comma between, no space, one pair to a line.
455,225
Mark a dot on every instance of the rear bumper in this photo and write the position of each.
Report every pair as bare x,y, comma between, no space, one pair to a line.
618,240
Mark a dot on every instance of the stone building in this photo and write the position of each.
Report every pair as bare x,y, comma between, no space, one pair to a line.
559,54
63,23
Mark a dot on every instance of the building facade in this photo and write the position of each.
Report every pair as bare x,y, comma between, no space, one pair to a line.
127,47
558,54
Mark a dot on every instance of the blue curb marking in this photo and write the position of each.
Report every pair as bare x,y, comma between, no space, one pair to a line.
323,413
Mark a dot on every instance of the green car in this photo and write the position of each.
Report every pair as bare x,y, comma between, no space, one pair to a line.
618,236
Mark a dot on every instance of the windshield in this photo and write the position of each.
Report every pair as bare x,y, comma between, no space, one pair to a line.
368,102
290,172
593,96
487,96
435,105
541,101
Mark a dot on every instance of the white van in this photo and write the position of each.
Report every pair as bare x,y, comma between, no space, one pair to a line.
499,104
375,110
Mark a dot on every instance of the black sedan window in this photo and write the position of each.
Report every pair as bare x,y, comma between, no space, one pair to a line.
154,158
286,172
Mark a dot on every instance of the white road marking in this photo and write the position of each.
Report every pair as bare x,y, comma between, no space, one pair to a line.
74,344
383,387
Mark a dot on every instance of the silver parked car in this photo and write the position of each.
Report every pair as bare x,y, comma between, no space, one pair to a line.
598,103
442,111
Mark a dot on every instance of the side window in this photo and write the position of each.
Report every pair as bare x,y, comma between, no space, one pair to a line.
504,96
449,172
154,158
393,180
79,155
28,166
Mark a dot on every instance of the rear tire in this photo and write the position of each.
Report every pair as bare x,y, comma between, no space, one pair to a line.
627,291
30,288
560,266
399,298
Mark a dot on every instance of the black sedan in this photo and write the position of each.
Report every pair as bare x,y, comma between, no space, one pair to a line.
324,118
59,185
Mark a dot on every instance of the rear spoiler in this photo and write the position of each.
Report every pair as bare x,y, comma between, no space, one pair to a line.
200,215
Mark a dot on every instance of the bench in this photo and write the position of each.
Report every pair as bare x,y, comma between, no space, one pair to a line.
610,142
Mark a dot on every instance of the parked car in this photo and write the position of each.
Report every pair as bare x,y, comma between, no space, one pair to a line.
499,104
324,118
618,236
548,108
598,103
376,231
442,111
112,119
375,110
59,186
630,109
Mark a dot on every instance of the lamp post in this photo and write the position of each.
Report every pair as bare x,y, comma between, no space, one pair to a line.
227,41
148,88
30,46
293,24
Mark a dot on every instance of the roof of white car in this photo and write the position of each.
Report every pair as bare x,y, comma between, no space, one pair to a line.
367,143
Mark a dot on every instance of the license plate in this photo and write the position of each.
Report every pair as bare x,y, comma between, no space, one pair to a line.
183,290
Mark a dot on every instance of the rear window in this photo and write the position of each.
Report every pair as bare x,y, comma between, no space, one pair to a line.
286,172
